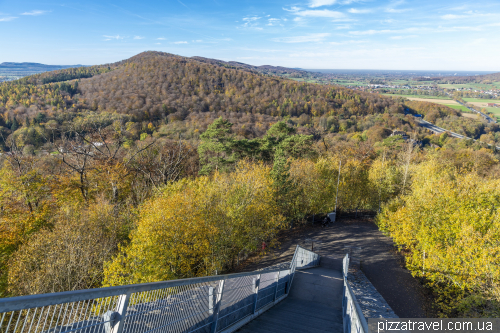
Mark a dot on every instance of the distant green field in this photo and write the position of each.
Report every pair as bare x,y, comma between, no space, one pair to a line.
496,111
458,107
479,100
418,96
494,85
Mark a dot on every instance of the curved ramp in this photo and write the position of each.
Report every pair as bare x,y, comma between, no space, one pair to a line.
313,305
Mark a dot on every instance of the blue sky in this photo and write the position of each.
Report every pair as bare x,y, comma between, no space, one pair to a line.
354,34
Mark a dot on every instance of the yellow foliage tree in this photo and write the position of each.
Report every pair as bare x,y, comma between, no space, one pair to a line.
195,227
449,227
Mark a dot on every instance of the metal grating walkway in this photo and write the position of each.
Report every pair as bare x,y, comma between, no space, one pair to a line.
313,305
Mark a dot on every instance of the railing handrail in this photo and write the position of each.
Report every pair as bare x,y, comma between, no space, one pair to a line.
359,312
34,301
112,308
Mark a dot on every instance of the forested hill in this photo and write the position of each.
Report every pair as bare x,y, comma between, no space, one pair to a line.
166,95
155,86
264,69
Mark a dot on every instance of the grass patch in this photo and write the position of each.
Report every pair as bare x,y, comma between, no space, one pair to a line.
479,100
459,107
419,96
481,86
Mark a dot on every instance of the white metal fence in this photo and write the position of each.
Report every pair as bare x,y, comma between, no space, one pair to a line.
199,305
353,318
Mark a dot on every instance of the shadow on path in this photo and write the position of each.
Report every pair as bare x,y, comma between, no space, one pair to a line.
381,266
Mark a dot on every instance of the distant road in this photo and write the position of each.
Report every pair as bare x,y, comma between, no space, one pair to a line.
488,118
438,130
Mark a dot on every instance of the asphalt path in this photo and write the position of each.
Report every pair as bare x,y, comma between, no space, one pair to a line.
380,263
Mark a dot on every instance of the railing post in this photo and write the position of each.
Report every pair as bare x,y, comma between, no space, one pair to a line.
121,309
277,284
211,300
256,284
213,329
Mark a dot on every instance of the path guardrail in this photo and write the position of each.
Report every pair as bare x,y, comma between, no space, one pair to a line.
353,319
211,304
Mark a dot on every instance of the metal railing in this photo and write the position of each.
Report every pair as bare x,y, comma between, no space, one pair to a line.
211,304
353,318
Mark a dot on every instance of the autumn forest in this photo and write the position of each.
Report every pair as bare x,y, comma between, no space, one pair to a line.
161,167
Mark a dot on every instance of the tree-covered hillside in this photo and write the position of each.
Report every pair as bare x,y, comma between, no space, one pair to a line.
165,95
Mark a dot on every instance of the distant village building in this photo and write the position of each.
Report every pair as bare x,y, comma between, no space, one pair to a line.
403,134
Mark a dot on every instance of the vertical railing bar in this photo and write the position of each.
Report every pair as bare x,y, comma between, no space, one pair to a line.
86,310
82,313
10,320
32,320
277,284
137,300
31,325
46,317
39,318
100,304
90,305
162,294
75,314
218,305
1,321
157,294
257,287
55,310
70,313
123,301
64,316
25,320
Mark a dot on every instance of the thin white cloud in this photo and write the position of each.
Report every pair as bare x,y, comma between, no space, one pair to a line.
273,22
403,37
320,3
36,12
7,19
183,4
319,37
348,42
160,38
181,42
451,17
116,37
395,10
157,43
343,27
462,7
138,37
359,11
251,22
316,13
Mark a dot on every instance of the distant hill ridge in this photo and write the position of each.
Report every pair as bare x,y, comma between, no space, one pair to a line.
23,68
487,78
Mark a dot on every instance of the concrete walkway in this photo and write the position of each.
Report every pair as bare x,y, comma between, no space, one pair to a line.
381,265
313,305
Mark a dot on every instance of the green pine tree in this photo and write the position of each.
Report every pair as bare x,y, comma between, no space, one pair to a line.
216,150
